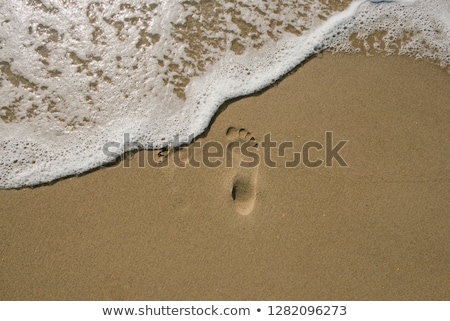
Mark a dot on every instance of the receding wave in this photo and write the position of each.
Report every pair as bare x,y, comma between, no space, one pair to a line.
75,75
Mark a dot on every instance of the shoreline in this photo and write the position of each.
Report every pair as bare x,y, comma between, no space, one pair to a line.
375,230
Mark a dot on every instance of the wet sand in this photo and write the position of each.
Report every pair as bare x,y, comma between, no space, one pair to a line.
377,229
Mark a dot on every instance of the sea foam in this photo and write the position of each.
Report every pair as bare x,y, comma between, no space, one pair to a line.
77,75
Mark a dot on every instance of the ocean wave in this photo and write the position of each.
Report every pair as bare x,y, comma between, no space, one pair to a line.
75,75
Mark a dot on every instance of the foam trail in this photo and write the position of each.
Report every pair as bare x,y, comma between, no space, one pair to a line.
75,76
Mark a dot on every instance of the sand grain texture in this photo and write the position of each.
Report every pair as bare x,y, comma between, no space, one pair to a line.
375,230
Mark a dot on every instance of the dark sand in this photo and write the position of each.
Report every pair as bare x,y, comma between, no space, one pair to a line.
378,229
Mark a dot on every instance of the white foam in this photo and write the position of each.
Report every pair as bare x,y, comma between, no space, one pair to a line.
78,75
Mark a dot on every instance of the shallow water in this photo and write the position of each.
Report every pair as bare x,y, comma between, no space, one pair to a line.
76,75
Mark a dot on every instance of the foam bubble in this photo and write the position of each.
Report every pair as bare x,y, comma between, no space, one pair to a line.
77,75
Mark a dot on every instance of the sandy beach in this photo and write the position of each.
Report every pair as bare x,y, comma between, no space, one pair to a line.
376,229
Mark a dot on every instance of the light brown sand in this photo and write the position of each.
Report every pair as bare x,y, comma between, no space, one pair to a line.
379,229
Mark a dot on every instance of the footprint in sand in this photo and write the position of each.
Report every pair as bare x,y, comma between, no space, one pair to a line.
243,189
